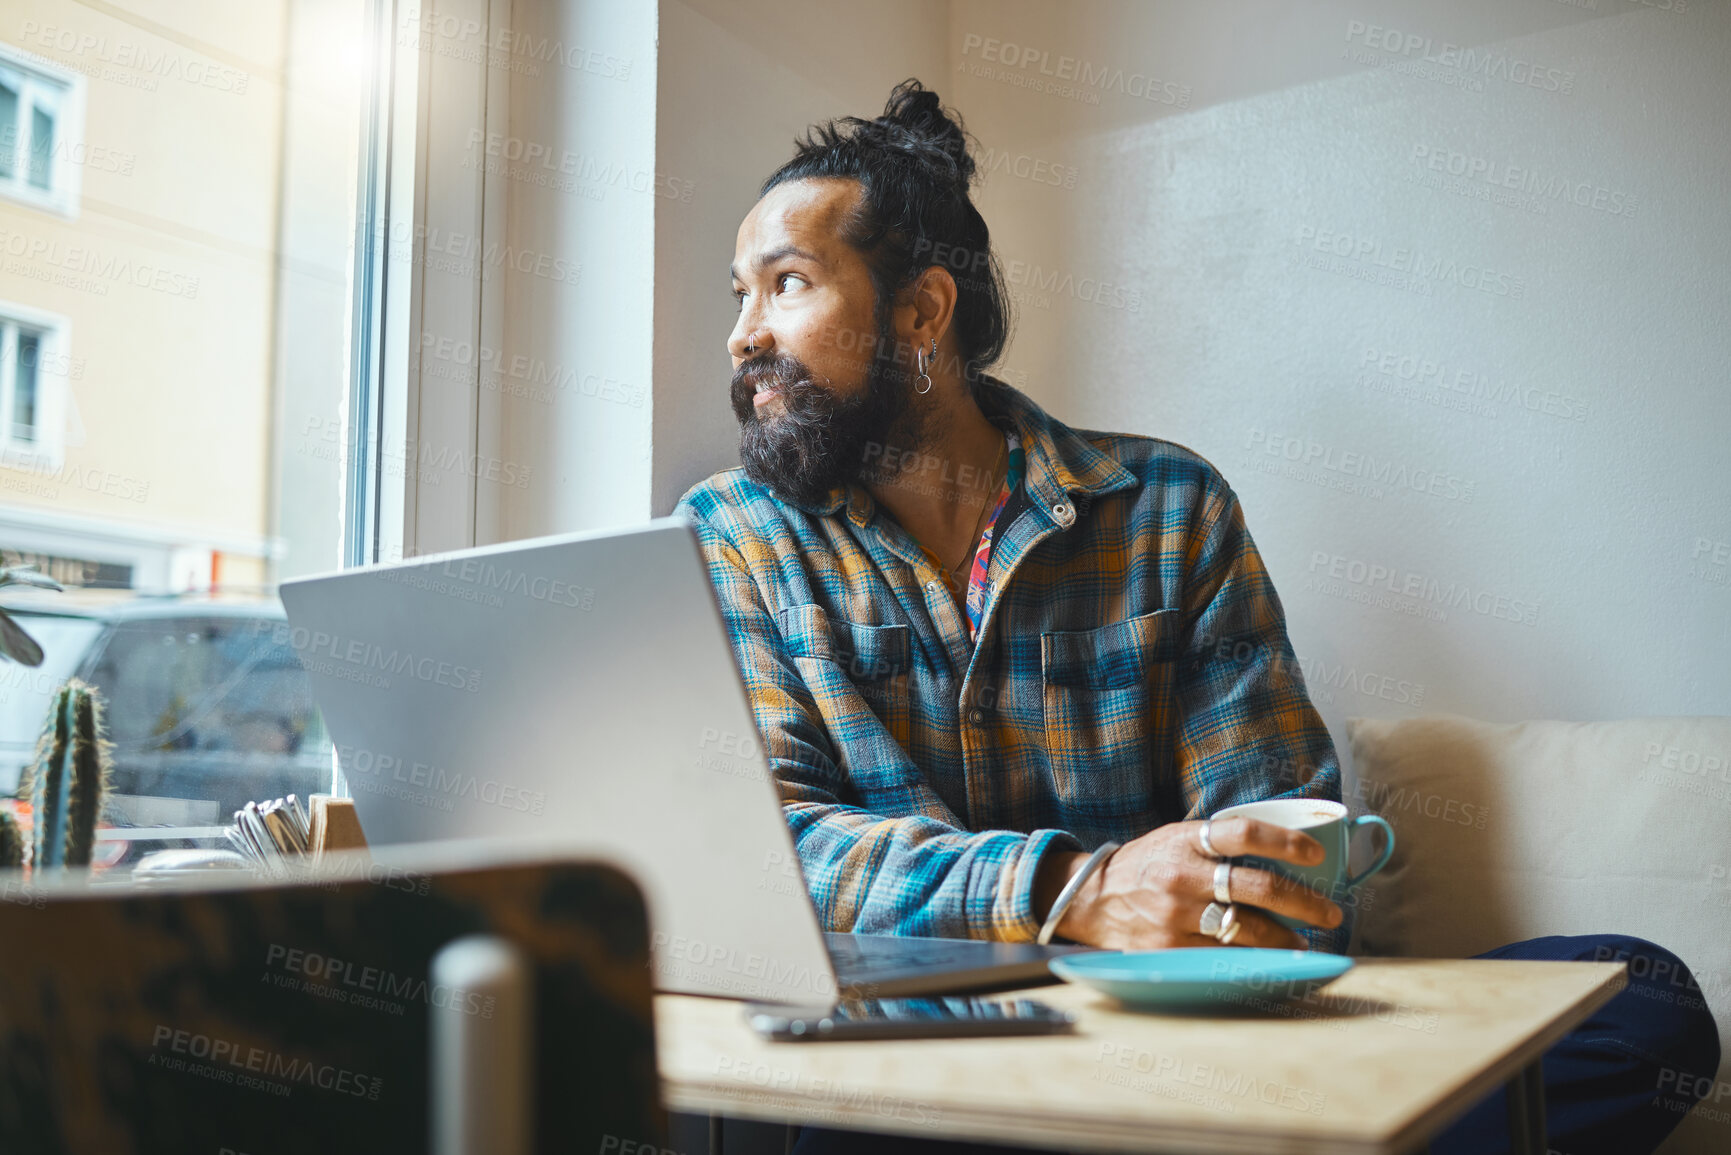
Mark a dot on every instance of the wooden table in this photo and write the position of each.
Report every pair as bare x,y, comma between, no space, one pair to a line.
1378,1061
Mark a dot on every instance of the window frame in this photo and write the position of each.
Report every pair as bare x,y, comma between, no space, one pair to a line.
420,111
424,108
54,348
61,197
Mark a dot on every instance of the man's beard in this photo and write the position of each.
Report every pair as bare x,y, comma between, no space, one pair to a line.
819,441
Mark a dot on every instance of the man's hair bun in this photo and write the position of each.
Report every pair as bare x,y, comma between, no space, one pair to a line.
916,111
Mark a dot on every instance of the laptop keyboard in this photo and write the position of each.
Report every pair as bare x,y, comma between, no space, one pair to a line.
853,955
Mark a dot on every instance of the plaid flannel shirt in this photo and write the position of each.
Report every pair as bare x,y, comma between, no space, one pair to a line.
1132,668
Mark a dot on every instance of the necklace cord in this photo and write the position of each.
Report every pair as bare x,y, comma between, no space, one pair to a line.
979,520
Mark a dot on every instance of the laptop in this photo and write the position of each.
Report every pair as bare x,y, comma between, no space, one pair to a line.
580,691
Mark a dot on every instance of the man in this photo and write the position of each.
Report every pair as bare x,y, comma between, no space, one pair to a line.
980,644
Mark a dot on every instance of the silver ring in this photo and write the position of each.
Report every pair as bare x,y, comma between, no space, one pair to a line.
1207,842
1223,882
1212,916
1229,926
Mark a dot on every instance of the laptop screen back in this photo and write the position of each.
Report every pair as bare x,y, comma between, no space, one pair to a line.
577,689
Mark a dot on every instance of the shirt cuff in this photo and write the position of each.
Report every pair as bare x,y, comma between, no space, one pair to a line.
1330,941
1013,913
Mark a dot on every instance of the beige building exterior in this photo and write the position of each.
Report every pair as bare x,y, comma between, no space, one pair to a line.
176,216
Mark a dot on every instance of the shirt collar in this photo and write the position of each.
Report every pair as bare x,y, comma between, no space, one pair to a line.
1061,464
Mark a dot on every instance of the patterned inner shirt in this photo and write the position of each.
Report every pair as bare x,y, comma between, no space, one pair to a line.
974,605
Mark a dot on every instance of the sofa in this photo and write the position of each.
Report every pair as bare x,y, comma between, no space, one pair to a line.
1510,832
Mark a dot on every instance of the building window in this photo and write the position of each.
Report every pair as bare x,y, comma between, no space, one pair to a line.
173,352
31,350
40,133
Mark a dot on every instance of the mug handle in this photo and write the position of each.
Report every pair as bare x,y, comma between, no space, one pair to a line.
1387,847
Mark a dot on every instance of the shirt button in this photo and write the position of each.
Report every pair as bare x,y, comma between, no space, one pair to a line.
977,716
1064,512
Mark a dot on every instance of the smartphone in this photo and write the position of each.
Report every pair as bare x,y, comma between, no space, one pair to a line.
938,1018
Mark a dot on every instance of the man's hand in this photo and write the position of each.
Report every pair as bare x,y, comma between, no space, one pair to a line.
1150,893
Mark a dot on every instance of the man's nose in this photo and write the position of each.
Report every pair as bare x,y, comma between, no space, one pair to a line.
749,339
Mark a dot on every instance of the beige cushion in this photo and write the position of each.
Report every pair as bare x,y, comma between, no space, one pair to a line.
1510,832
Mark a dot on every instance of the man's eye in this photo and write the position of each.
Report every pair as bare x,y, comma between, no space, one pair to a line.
781,281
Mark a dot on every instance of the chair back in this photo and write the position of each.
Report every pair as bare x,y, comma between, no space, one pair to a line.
305,1014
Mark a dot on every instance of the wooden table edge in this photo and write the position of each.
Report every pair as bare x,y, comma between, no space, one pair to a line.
1456,1104
1089,1132
1056,1132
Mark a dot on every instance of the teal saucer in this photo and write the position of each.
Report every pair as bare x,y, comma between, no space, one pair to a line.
1202,976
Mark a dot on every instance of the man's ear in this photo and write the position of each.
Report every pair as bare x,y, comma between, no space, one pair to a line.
930,306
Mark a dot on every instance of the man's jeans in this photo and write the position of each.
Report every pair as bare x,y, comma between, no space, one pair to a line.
1612,1085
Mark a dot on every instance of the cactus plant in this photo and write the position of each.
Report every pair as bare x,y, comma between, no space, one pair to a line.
14,642
68,779
11,843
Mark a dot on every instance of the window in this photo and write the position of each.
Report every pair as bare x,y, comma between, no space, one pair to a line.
32,353
40,137
248,223
180,230
214,708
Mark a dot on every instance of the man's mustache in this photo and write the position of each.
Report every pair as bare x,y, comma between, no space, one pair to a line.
781,372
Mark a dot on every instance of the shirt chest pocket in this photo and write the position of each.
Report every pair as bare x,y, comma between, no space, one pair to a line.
1110,713
847,665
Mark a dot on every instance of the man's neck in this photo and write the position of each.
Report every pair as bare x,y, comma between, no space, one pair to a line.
942,490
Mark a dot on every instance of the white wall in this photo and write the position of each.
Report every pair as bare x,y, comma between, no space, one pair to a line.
1165,284
1289,276
566,374
1596,515
1171,283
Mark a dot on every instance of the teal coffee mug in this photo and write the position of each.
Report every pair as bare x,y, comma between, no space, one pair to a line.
1330,824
